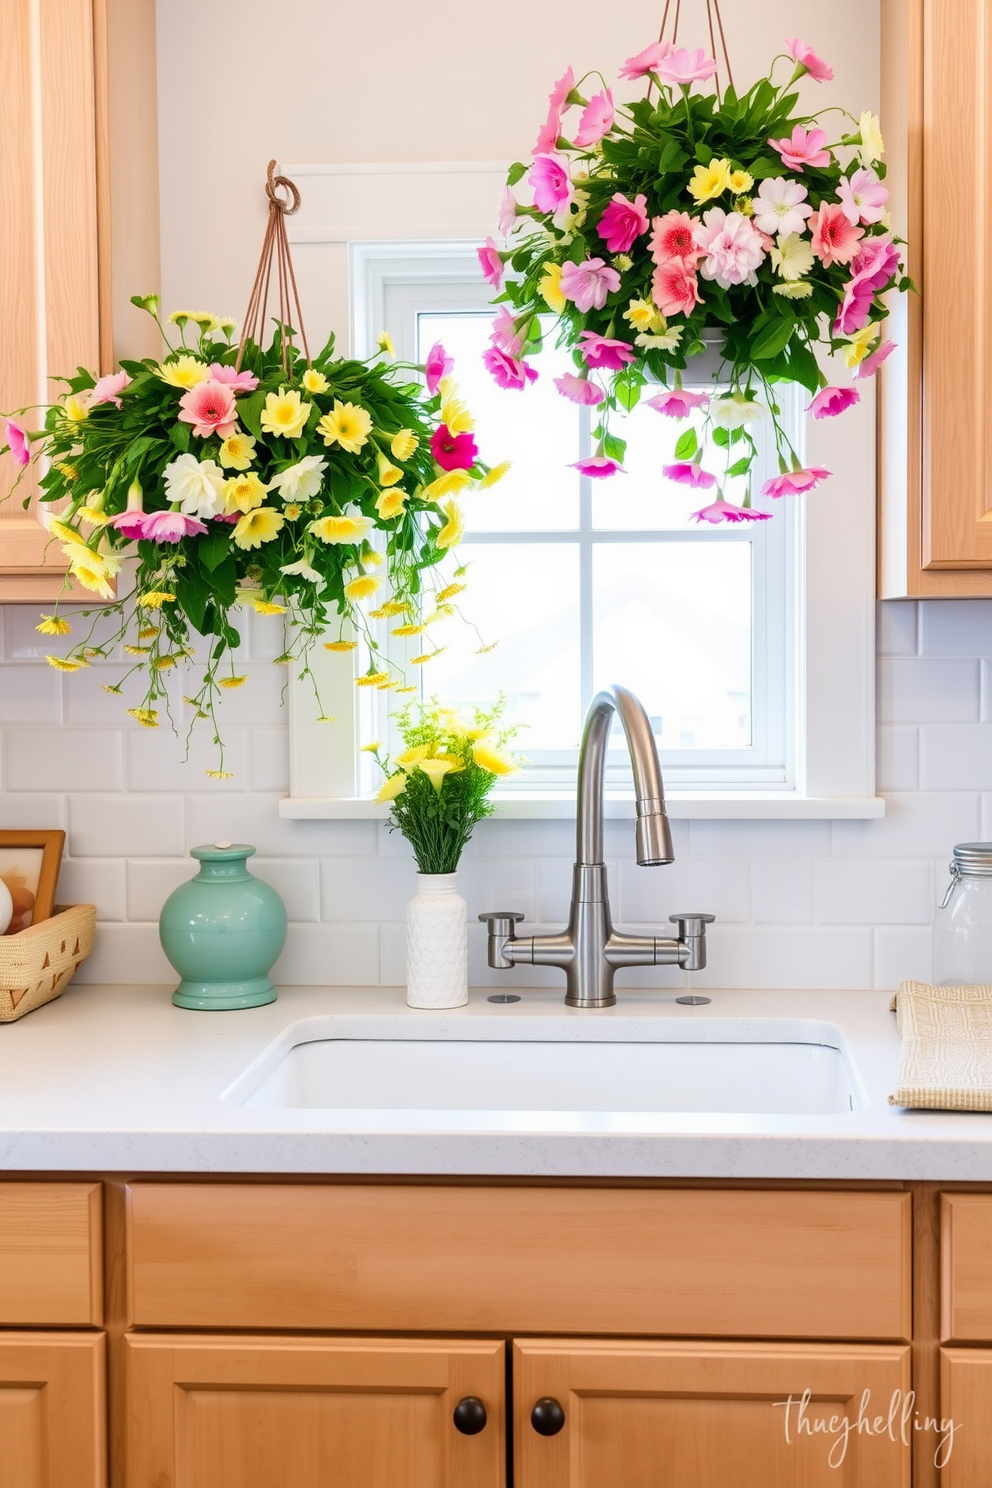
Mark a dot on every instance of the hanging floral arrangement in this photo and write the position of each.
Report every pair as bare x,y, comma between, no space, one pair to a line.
689,215
323,489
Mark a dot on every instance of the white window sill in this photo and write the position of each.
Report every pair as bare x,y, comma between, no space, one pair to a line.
560,805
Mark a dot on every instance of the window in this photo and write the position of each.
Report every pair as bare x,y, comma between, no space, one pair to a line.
583,582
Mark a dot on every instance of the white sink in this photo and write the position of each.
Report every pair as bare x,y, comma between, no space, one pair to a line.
449,1072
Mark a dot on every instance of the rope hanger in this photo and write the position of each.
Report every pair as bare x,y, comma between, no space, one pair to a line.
712,12
275,245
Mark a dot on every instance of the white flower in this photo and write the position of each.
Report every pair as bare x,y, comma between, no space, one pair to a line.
734,411
302,567
572,213
198,485
792,258
780,207
794,289
872,144
300,481
667,342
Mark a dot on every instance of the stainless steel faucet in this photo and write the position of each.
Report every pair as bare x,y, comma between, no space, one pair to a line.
590,950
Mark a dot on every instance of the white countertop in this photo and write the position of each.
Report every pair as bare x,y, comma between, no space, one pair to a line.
116,1079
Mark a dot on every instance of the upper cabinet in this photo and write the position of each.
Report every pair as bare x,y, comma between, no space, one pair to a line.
935,450
78,221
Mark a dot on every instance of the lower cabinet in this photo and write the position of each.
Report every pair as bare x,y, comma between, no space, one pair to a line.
249,1412
707,1415
52,1410
964,1434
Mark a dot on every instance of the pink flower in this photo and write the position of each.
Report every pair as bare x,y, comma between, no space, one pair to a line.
673,236
108,387
547,140
507,371
877,261
689,475
677,403
646,61
804,56
171,526
871,363
833,400
834,238
579,389
20,448
438,365
603,351
507,212
722,511
549,179
241,382
597,120
453,451
685,67
622,222
505,333
491,263
588,284
130,523
863,197
674,288
231,518
732,247
804,148
209,407
794,481
598,466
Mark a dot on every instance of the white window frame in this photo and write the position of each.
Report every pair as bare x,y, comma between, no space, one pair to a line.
368,216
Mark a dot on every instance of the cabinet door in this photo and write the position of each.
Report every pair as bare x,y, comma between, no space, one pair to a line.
965,1428
52,1411
209,1412
642,1415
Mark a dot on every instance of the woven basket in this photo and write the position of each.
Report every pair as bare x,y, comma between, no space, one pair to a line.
36,963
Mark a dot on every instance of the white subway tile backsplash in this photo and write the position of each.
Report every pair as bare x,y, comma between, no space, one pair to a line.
34,812
366,889
902,954
787,956
896,628
39,759
918,691
128,955
329,955
759,839
269,770
99,881
155,759
897,758
255,818
392,954
956,627
711,886
29,694
150,881
125,826
956,757
859,893
499,883
914,826
781,892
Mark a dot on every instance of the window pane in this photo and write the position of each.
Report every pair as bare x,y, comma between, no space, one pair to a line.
672,621
537,429
525,597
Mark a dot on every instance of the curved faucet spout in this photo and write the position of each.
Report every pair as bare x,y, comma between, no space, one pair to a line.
654,838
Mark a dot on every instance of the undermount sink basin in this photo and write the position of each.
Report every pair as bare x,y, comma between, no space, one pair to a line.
500,1075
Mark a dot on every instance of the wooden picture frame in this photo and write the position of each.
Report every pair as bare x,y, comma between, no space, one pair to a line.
31,879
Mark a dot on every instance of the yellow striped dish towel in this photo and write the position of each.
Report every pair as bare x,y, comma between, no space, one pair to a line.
946,1062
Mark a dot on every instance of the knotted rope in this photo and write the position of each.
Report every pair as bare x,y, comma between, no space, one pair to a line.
275,245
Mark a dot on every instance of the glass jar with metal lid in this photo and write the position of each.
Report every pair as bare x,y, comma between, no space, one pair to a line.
962,924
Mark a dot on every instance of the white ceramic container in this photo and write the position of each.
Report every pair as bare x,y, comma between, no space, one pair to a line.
436,944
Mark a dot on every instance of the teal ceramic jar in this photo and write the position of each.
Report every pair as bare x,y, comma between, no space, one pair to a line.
223,931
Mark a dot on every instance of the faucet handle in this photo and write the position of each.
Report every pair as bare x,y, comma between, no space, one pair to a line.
692,934
691,924
501,923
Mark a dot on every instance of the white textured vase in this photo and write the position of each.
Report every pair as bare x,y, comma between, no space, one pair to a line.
436,944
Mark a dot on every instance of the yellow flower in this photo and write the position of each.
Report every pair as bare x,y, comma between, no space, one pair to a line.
362,588
794,289
265,607
314,382
62,664
403,444
155,599
393,787
391,607
496,761
385,686
389,473
384,341
285,414
455,414
257,527
347,424
137,650
495,474
183,371
148,632
371,748
340,645
407,689
53,625
549,288
449,592
427,656
390,504
643,315
371,679
740,182
93,571
92,516
448,484
340,529
147,717
872,144
292,511
243,492
75,407
454,529
163,663
710,180
237,452
859,345
65,534
371,558
409,630
218,774
436,769
231,681
793,258
69,471
442,612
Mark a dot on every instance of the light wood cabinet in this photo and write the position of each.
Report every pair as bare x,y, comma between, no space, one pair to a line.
52,1411
966,1412
51,1255
936,391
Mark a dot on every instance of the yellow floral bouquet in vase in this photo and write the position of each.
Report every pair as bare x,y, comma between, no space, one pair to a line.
439,788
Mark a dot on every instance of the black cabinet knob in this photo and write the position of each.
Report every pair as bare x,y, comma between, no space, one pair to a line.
547,1417
470,1415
